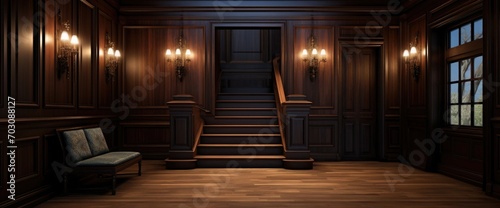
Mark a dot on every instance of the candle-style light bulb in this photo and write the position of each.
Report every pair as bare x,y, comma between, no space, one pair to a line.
304,53
188,53
406,53
64,36
413,50
314,51
110,51
118,54
74,40
168,53
178,52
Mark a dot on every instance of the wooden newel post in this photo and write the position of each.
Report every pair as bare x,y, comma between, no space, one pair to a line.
182,120
296,110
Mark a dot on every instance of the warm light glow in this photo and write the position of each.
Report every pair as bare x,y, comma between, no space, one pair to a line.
413,50
101,52
110,51
314,51
406,53
118,54
304,52
74,40
168,52
64,36
178,52
423,52
188,52
323,52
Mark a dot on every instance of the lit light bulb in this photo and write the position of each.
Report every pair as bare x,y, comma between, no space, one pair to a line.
188,53
178,52
64,36
110,51
74,40
314,51
118,54
304,53
413,50
168,52
406,53
323,52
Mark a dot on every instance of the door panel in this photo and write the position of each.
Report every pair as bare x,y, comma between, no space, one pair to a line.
359,69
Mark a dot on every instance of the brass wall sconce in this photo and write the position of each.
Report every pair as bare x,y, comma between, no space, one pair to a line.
412,58
182,57
67,49
112,58
311,57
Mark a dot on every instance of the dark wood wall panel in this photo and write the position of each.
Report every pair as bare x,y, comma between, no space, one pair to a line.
146,69
417,90
323,138
321,92
462,156
153,140
107,88
24,53
3,51
59,91
87,69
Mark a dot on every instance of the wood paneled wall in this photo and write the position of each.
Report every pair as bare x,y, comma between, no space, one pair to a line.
46,100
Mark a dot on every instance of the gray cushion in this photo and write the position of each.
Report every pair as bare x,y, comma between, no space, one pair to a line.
76,146
96,140
108,159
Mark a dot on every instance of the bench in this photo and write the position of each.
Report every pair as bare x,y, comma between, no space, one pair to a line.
85,151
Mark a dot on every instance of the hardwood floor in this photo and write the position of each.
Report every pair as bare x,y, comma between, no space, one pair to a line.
329,184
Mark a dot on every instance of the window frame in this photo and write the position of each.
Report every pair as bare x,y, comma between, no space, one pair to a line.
470,50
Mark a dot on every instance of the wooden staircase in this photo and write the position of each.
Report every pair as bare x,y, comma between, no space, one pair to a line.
244,133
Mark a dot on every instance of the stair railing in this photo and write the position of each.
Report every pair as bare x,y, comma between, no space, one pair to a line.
293,120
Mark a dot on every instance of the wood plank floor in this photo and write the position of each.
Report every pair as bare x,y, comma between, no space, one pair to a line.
329,185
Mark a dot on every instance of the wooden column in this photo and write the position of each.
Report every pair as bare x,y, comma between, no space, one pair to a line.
182,125
297,154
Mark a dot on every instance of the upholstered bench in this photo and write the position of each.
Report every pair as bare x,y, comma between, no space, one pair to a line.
85,151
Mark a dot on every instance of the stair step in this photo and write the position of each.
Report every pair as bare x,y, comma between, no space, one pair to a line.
240,138
246,90
258,120
245,111
240,149
241,129
245,104
245,96
239,161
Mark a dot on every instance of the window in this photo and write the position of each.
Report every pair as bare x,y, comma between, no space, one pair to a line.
465,70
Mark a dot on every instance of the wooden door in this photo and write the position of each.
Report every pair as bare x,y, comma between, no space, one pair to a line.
359,107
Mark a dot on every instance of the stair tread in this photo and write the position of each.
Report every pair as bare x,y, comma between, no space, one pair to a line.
230,93
240,145
251,109
238,135
240,125
245,117
246,101
239,157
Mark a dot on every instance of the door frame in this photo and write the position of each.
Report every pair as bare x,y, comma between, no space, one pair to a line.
211,79
380,110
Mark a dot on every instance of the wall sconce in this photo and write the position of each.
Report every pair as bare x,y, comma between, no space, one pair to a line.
311,58
67,49
111,58
412,58
182,57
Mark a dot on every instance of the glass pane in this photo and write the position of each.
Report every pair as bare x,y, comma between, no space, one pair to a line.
465,69
478,95
454,93
454,38
454,72
465,34
478,29
465,115
478,67
478,115
466,92
454,115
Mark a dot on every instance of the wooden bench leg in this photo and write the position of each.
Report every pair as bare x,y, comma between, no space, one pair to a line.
113,188
65,184
140,168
